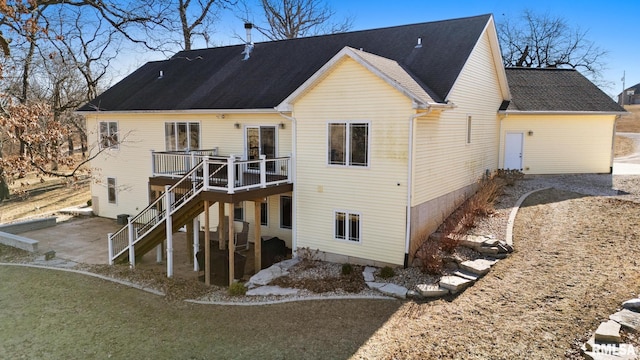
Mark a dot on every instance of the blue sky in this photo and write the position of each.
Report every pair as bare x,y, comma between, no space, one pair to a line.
612,25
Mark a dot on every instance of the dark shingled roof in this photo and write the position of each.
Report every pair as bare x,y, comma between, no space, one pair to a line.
547,89
217,78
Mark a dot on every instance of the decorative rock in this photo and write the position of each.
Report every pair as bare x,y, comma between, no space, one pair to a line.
608,332
627,318
271,290
505,245
473,241
375,285
287,264
265,276
467,275
454,283
478,266
633,305
367,274
489,250
412,294
431,290
394,290
490,242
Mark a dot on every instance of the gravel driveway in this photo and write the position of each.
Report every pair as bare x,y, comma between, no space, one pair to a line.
577,258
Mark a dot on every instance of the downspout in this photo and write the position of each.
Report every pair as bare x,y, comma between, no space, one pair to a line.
294,173
613,144
407,244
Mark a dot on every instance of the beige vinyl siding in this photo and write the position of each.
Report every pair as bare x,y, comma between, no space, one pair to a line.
140,133
377,192
444,162
562,144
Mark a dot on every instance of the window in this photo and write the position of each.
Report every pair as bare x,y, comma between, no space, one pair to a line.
468,129
180,136
347,226
238,211
286,212
264,213
108,134
111,190
349,144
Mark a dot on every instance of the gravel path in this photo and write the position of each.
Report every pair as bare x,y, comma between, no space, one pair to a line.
576,260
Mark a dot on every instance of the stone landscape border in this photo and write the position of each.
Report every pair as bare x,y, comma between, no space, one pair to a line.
514,212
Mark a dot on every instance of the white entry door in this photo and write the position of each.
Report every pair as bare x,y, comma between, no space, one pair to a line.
513,151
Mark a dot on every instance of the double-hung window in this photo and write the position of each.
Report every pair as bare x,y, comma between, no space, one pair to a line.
347,226
180,136
108,134
348,143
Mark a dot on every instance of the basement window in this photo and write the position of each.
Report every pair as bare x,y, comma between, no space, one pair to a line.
347,226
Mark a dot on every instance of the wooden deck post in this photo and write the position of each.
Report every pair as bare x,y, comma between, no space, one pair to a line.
189,240
221,244
196,242
232,246
169,230
257,245
207,245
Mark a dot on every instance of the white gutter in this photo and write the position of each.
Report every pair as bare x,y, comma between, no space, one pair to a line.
547,112
294,175
185,111
412,120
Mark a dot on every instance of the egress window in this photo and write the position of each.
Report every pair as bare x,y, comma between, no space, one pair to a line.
348,144
347,226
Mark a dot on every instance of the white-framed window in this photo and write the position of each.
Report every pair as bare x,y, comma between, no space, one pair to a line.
108,134
348,143
346,226
468,129
238,211
264,213
111,191
286,212
180,136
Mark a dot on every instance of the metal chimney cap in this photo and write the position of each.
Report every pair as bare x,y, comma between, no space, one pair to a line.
248,25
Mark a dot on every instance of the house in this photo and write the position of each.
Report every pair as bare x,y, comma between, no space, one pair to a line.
355,144
630,95
556,122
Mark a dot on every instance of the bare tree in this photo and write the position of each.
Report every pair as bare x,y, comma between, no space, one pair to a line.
542,40
289,19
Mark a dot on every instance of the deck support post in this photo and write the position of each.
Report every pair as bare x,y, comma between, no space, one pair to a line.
110,242
207,245
196,242
132,250
231,174
257,241
169,232
232,246
159,253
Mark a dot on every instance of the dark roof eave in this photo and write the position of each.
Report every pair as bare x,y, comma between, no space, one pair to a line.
560,112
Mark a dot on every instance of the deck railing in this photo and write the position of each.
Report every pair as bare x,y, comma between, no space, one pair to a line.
209,174
178,163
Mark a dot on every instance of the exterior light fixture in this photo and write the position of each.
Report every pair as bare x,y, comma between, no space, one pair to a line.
530,133
281,125
236,125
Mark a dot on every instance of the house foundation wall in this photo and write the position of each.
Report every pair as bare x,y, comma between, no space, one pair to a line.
345,259
427,216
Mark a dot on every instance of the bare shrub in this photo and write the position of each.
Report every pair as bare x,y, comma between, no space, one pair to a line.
509,176
430,257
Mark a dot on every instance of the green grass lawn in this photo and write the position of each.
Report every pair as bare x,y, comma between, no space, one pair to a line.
46,314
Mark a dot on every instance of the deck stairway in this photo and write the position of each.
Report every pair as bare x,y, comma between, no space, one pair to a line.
183,201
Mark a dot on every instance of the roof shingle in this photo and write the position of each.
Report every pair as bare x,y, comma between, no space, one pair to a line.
547,89
217,78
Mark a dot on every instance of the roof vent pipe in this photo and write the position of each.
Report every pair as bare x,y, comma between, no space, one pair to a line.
247,27
419,45
161,74
248,46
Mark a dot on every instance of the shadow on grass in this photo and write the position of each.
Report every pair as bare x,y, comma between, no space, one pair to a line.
54,314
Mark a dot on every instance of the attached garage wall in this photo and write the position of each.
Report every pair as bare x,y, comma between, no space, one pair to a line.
561,144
